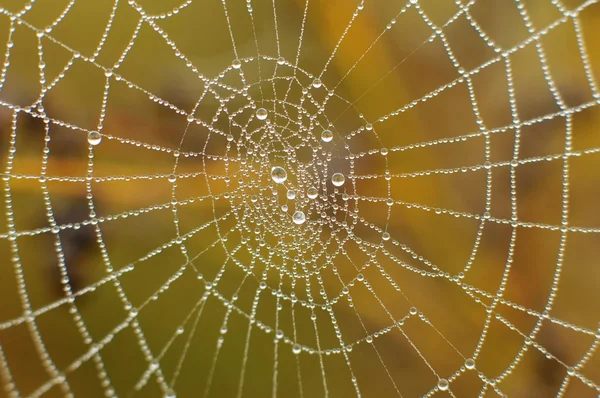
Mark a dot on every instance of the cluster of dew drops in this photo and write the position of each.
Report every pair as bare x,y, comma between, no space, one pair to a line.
279,174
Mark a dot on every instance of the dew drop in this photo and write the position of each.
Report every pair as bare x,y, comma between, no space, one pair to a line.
263,285
312,193
291,195
299,217
278,174
317,83
369,126
470,363
261,113
327,136
94,138
281,60
296,348
443,384
172,178
384,151
237,64
338,179
385,236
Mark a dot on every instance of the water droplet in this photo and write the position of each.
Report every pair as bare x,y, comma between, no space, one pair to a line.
261,113
338,179
327,136
470,363
281,60
385,236
443,384
369,339
296,348
291,195
312,193
299,217
278,174
237,64
172,178
389,201
262,285
384,151
94,138
369,126
317,83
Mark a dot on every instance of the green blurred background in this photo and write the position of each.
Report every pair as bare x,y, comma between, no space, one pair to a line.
400,68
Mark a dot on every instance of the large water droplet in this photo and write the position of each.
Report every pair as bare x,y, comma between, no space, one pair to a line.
317,83
296,348
278,174
237,64
327,136
338,179
312,193
443,384
94,138
299,217
291,195
469,363
281,60
261,113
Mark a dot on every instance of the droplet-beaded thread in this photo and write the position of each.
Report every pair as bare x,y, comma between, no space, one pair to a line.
289,191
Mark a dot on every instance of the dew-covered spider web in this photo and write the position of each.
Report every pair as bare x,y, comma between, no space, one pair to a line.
300,198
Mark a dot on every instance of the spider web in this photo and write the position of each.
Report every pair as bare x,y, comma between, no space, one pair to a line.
270,198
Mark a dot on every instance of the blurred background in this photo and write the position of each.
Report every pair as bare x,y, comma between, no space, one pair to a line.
103,281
